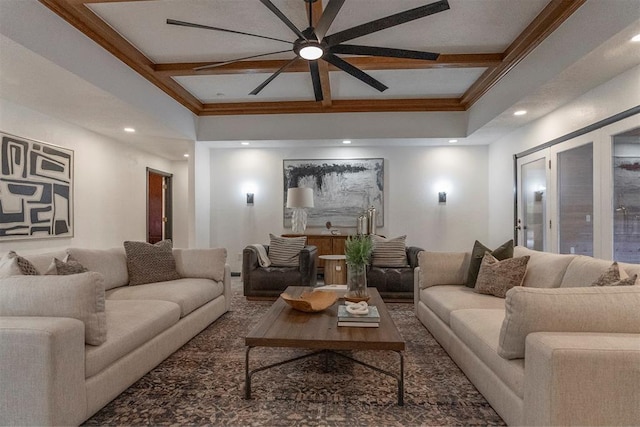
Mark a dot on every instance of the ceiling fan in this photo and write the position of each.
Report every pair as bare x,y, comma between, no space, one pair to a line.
313,44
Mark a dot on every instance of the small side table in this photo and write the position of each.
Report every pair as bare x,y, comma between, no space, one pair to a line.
335,269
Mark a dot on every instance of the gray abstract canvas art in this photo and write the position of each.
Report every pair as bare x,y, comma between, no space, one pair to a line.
342,189
36,189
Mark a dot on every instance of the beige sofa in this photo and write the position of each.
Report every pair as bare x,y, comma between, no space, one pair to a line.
554,352
51,376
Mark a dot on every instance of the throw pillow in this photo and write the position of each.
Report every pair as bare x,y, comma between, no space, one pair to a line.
497,277
613,275
147,263
389,252
65,267
80,296
502,252
285,251
9,266
26,267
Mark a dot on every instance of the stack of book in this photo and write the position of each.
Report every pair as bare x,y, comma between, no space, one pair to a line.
369,320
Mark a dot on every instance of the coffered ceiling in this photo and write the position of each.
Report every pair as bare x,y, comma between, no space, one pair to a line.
479,43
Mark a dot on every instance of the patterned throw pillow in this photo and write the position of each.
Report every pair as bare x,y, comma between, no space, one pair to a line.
389,252
26,267
615,276
503,252
65,267
497,277
285,251
149,263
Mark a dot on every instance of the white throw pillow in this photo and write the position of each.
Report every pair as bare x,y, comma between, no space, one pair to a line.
389,252
285,251
9,266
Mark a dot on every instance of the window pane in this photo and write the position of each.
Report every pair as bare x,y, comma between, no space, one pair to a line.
626,197
534,183
575,200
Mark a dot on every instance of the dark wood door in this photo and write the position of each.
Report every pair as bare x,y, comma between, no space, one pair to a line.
155,210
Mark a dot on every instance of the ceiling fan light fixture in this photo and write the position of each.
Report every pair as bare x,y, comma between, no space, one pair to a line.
308,49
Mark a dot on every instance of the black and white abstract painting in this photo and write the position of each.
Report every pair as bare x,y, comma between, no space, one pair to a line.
36,189
342,189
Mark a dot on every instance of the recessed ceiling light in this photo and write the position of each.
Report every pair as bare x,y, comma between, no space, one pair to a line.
346,141
244,143
453,141
130,130
520,113
636,38
186,155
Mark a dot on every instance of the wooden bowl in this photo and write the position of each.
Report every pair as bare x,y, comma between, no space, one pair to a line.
311,302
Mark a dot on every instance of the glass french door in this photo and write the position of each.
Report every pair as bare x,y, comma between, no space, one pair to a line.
532,208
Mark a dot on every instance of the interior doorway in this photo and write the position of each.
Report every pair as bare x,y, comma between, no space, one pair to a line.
159,206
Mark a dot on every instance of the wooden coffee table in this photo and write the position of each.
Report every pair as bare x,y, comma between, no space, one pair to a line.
282,326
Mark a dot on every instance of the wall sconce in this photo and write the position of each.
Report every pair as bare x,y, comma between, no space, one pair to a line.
537,196
442,197
249,199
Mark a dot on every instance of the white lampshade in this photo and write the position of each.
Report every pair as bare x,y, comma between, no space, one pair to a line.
300,197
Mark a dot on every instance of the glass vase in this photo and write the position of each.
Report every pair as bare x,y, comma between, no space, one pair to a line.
357,283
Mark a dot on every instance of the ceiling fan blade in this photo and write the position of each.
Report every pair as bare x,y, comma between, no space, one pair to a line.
315,78
272,76
325,21
220,64
355,72
207,27
283,18
387,22
353,49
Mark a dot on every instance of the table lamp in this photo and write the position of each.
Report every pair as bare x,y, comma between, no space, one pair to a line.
299,198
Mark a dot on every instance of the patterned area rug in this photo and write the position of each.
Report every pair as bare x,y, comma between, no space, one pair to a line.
203,382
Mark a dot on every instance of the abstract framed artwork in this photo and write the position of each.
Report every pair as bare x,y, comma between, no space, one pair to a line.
36,189
342,189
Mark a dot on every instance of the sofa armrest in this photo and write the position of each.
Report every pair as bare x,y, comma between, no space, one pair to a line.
227,287
582,379
412,255
308,265
42,371
206,263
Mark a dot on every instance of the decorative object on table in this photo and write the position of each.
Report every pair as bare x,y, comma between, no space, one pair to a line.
311,302
341,188
357,250
36,184
358,314
372,214
363,224
299,198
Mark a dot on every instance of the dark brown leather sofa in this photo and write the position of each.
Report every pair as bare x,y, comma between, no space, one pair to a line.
395,283
270,282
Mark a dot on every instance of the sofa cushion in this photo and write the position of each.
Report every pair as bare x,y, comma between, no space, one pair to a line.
585,270
201,263
502,252
80,296
26,267
544,270
497,277
147,263
111,263
590,309
129,325
389,252
443,300
443,268
9,266
631,269
189,294
42,261
479,329
285,251
65,267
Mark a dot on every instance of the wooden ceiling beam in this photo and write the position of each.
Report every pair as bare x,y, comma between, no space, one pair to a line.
81,17
551,17
471,60
323,66
337,106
